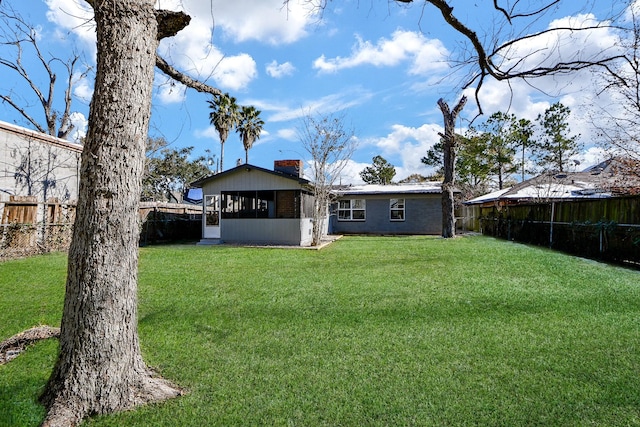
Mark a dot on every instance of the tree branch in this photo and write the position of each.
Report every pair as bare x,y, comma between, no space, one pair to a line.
170,23
23,113
184,79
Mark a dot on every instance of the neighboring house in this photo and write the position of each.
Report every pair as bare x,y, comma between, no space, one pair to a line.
35,168
252,205
388,209
610,178
607,179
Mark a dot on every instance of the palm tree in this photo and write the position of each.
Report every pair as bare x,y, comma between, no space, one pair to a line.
249,127
224,117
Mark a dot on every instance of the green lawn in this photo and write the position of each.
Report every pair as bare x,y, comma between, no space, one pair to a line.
369,331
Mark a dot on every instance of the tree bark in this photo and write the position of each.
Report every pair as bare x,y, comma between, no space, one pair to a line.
448,183
99,367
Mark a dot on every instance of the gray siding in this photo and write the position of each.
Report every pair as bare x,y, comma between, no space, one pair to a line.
423,215
274,231
249,180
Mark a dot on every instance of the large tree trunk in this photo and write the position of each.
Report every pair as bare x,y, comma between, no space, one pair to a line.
99,368
448,183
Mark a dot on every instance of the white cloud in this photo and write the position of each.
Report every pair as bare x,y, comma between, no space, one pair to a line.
192,52
207,133
266,21
80,124
168,91
73,16
592,156
516,97
277,71
82,88
235,73
409,144
424,55
192,49
350,174
588,40
287,134
330,104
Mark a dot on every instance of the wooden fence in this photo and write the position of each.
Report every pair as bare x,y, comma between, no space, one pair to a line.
607,229
30,227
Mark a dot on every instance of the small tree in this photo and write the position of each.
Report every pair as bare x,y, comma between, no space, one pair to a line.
382,172
170,171
471,169
330,146
500,148
249,127
522,134
556,147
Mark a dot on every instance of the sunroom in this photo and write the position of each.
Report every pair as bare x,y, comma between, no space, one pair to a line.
253,205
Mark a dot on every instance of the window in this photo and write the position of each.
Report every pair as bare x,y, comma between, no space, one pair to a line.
261,204
396,209
351,210
248,204
212,206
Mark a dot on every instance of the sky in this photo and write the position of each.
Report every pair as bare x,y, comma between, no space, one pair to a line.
379,65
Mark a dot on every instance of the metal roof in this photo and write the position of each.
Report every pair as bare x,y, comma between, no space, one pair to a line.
430,187
601,181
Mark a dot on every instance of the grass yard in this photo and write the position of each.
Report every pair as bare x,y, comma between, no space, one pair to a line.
369,331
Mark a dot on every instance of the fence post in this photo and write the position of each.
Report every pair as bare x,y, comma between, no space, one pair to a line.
553,210
601,238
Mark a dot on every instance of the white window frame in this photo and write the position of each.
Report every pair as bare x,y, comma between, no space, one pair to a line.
352,210
398,209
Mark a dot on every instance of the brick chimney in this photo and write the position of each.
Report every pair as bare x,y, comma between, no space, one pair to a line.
289,167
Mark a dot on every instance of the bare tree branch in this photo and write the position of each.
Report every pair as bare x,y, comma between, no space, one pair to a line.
17,32
489,62
184,79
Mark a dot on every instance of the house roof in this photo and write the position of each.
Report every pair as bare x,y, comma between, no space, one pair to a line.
431,187
38,136
246,167
599,181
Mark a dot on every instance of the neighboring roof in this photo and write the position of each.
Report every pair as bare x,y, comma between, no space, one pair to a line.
489,197
42,137
599,181
199,183
431,187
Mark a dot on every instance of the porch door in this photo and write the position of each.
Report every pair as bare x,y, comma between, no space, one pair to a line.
211,217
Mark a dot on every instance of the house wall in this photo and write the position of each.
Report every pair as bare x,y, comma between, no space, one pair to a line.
275,231
423,215
35,164
250,180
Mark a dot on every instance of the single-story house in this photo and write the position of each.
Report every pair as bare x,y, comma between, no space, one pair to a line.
253,205
388,209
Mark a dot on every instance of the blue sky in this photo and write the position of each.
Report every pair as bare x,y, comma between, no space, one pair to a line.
379,64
